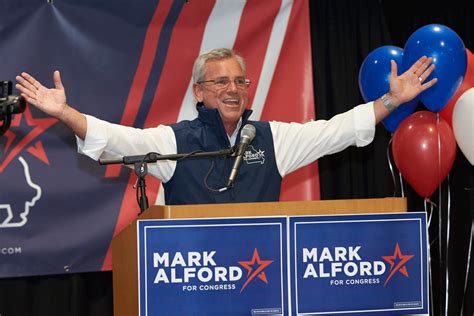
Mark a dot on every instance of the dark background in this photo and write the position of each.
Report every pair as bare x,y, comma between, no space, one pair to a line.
343,33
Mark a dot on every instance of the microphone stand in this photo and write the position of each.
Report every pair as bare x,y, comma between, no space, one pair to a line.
141,168
6,118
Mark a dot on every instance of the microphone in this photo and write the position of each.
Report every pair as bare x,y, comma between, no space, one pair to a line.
246,136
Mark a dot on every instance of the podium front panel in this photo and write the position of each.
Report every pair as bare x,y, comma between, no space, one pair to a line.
125,244
213,266
359,264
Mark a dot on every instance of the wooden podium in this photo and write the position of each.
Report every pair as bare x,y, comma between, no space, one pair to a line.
124,245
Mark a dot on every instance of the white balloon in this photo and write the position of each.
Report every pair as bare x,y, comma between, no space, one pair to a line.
463,124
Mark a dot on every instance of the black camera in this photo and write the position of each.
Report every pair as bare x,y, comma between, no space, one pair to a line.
9,104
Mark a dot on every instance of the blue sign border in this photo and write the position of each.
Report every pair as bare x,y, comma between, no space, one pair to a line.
294,221
144,225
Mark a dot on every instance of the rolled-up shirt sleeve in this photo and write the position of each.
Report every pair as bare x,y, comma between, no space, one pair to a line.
105,140
297,145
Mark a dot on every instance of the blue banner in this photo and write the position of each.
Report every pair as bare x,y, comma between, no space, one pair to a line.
220,266
128,63
359,264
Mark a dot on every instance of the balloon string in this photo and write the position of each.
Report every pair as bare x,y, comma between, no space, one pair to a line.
401,183
431,277
440,224
468,264
448,229
425,202
469,250
440,220
391,168
432,207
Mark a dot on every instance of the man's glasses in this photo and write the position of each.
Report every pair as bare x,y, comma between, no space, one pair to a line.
222,83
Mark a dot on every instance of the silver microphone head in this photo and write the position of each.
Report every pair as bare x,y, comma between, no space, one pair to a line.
248,132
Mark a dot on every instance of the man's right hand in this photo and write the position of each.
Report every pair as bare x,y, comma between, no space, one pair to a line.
52,101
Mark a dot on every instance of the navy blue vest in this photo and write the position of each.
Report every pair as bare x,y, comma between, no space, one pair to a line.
258,179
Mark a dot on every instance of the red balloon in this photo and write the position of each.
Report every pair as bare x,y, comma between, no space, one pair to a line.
467,83
424,149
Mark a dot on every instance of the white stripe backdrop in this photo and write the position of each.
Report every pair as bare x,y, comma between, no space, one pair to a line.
221,31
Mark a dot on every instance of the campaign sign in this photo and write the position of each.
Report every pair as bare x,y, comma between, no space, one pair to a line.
367,264
213,266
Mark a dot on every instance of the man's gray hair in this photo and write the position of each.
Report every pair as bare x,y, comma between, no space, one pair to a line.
199,68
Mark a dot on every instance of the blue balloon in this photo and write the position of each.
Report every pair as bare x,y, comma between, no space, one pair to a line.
449,55
373,82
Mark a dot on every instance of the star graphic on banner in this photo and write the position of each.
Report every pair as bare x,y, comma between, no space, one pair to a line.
255,268
399,266
33,128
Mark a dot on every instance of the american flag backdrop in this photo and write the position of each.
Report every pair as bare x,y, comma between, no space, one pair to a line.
128,63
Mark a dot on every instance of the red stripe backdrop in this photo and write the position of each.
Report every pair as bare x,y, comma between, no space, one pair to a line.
252,44
290,97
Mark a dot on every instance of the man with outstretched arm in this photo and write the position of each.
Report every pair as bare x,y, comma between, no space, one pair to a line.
220,88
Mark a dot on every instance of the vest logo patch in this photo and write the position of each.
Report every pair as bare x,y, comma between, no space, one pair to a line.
252,155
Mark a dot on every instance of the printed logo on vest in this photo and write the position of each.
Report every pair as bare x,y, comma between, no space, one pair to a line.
254,156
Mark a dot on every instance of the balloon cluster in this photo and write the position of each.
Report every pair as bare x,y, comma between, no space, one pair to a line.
424,145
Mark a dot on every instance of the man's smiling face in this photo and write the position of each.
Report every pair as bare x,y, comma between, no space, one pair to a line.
230,101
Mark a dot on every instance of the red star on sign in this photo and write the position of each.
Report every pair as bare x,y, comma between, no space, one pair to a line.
400,266
259,265
39,126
